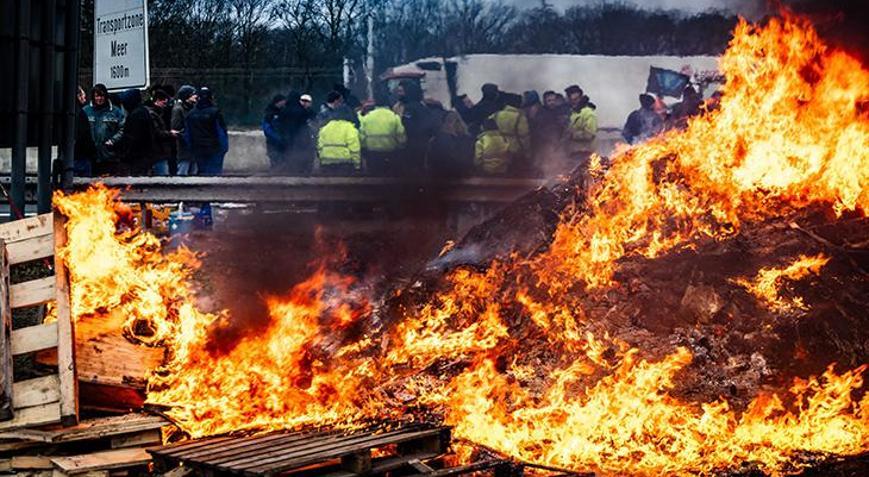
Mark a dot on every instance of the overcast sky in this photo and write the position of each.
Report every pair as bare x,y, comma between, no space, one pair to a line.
748,8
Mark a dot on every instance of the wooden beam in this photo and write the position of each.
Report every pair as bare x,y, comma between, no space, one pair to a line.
30,249
6,391
91,429
150,438
65,332
101,461
36,391
34,338
34,292
31,462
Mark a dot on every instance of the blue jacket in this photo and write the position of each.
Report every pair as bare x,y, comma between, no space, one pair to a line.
106,123
273,137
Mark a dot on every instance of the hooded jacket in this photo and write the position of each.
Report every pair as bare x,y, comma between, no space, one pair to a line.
338,143
381,130
513,125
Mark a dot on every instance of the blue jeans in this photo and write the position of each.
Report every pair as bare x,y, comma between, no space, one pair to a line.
160,168
187,167
210,164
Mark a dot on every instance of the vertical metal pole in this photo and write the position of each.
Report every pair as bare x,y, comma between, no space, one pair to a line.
71,44
46,127
22,90
369,61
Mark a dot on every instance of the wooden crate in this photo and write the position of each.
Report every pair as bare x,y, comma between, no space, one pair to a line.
48,399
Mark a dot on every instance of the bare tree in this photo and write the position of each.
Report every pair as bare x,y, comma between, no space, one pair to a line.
478,25
250,18
298,20
338,24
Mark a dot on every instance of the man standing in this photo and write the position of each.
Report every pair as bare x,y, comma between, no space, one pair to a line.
420,126
582,126
643,123
180,110
382,136
550,124
205,133
163,137
106,126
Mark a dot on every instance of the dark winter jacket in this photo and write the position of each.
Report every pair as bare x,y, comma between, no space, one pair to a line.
137,139
271,115
162,138
106,123
292,123
205,130
179,116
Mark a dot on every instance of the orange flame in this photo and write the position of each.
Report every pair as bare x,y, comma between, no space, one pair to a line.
768,281
790,131
508,356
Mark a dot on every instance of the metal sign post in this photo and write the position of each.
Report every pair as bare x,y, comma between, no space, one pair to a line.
121,44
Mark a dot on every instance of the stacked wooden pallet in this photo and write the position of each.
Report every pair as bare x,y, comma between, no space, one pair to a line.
54,397
95,447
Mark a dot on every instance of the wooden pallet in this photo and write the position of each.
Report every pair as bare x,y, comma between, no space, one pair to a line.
48,399
322,453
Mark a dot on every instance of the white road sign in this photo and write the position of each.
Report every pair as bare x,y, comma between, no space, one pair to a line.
121,43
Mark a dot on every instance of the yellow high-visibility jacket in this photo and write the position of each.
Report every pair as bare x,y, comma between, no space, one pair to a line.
381,130
513,125
338,143
582,130
492,153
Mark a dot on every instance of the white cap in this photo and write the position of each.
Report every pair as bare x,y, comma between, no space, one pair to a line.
306,97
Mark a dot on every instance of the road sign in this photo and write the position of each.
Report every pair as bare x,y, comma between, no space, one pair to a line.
121,43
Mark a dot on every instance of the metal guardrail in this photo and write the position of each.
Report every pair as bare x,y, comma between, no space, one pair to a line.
314,189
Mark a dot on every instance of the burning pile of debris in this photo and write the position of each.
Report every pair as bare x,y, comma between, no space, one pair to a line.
683,314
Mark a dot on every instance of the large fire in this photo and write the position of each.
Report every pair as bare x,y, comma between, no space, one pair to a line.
790,132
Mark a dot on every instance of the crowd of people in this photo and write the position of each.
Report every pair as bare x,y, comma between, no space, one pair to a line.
171,133
502,134
395,133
